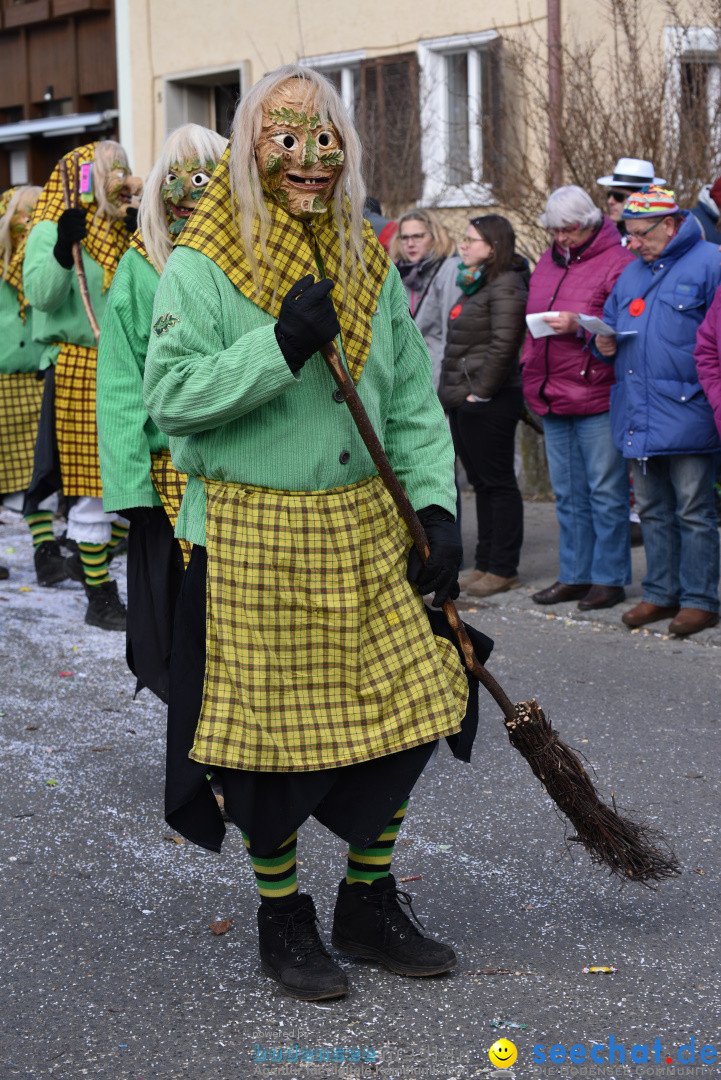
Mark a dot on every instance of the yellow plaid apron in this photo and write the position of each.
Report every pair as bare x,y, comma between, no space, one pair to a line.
319,653
20,397
76,426
170,486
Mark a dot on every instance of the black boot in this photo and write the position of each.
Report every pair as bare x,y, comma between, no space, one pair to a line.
49,563
105,608
4,573
370,924
292,953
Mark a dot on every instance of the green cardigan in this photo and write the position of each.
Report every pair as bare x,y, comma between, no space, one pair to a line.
216,381
18,351
126,434
58,312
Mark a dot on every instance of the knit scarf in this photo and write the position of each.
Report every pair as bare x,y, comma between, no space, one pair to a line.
469,278
106,239
296,248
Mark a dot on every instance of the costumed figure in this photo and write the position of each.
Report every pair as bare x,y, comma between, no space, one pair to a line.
66,453
21,387
305,673
139,480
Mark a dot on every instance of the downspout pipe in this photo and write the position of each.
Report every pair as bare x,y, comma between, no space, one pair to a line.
555,93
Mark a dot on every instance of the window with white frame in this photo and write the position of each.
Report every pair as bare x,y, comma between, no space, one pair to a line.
343,70
695,98
207,97
460,96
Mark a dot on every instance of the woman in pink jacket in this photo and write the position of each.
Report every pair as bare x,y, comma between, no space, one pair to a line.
707,355
569,388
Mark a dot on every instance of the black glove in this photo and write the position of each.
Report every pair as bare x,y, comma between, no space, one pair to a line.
440,573
131,219
71,229
307,320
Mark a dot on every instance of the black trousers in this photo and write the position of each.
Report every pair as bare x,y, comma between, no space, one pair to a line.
484,437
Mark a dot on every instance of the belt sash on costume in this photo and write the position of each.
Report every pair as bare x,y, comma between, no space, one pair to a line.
319,651
170,486
21,395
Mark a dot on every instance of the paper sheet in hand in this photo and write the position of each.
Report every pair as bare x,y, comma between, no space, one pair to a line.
538,327
598,326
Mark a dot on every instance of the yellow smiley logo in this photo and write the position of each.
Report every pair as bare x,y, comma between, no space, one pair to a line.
502,1054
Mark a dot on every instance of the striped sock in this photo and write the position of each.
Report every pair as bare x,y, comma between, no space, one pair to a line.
275,875
366,865
41,527
94,559
118,532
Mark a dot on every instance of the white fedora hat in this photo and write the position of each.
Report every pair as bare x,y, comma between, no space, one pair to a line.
631,173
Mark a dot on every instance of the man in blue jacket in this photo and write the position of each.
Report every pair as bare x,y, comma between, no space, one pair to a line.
660,417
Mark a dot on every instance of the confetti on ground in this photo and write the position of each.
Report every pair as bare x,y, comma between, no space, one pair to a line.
415,877
63,674
598,970
508,1024
52,783
501,971
175,839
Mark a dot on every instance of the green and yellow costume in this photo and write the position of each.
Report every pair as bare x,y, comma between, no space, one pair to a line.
20,390
319,652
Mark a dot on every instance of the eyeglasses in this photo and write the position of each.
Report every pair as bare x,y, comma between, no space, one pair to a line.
644,232
619,196
413,236
472,240
564,230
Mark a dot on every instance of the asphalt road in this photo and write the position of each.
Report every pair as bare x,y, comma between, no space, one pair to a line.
111,970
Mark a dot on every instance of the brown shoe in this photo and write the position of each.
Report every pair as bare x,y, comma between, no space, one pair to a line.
646,612
602,596
690,620
490,584
558,593
470,577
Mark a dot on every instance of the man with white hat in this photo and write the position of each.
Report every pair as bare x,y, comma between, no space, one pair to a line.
629,175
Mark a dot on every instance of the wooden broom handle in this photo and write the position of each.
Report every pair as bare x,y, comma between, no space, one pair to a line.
373,445
77,254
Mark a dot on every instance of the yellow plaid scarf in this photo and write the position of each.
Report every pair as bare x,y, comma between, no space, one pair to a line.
292,245
14,275
106,240
138,244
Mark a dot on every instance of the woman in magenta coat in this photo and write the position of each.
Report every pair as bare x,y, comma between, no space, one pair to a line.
570,388
707,355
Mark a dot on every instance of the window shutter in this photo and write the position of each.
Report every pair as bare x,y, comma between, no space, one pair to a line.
389,125
491,112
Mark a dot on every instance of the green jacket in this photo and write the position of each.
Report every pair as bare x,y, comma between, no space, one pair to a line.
126,434
53,292
216,381
18,351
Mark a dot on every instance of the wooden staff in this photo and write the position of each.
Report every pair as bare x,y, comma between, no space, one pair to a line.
77,253
627,848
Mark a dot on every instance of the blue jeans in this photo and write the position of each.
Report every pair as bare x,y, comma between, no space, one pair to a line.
675,500
590,481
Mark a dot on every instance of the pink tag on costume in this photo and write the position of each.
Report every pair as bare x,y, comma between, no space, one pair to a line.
86,179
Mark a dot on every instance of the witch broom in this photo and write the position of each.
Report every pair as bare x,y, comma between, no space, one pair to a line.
629,849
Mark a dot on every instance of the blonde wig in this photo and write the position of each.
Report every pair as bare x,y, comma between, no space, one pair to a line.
442,244
249,207
186,143
107,155
19,195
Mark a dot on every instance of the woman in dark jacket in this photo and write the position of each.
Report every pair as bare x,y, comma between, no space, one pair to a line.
481,389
